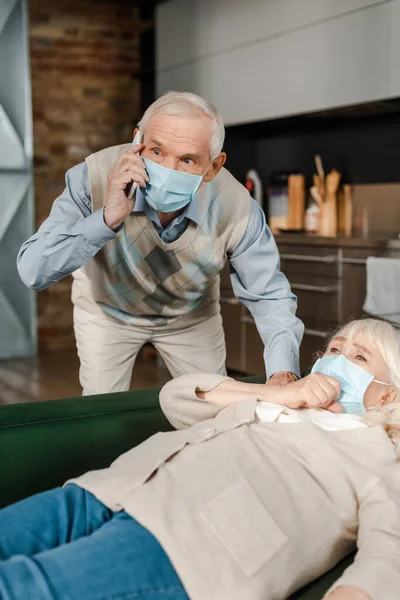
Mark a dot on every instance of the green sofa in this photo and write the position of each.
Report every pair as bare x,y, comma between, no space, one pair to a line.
43,444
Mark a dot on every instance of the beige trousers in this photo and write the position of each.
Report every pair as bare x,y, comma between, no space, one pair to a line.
107,350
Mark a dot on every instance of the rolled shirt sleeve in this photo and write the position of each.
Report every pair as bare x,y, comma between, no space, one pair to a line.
68,238
260,285
180,403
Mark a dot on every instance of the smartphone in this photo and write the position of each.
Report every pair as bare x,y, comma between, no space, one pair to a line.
129,192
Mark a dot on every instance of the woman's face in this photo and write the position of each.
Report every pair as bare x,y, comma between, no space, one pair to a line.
362,353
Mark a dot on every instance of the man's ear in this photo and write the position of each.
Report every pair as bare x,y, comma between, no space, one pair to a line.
388,396
137,130
215,167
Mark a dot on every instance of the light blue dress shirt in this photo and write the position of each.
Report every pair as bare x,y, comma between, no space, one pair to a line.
72,235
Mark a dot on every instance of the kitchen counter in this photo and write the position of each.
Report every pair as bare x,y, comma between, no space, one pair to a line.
342,242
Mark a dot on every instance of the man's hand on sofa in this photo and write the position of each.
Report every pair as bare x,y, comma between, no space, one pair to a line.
347,592
282,378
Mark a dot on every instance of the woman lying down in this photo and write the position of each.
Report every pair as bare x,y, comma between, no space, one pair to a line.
263,489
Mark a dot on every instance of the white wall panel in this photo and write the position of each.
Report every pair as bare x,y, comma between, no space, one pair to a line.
17,303
333,63
394,51
189,29
15,93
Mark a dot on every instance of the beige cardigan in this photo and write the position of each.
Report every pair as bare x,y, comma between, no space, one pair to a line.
253,511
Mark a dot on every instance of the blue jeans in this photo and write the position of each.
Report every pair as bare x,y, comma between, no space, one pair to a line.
66,545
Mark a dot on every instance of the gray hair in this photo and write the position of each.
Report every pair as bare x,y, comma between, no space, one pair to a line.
186,103
386,339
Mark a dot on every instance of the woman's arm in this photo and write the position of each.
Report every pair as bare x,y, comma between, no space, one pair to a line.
181,404
347,593
376,568
231,391
314,391
192,398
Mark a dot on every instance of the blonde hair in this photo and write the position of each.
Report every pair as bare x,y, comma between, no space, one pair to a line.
386,339
186,103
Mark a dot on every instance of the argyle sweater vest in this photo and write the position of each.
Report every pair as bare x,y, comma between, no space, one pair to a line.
138,279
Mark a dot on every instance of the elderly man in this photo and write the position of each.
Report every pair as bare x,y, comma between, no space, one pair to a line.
145,231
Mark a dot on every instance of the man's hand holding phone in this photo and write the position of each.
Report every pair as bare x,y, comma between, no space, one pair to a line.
128,171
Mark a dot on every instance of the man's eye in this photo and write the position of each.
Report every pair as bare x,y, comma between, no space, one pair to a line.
187,161
157,152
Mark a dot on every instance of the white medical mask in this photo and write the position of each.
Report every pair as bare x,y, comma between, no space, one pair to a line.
353,379
168,190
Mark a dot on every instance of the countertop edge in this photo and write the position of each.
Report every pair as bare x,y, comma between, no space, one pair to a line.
338,242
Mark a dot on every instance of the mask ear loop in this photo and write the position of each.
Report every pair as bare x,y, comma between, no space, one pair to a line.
201,180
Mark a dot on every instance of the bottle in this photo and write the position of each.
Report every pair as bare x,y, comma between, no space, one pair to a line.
254,186
278,201
311,218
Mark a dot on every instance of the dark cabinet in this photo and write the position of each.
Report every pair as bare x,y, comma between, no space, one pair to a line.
254,348
231,311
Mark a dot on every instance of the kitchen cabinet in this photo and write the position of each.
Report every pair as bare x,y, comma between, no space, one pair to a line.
329,279
337,58
208,27
394,49
253,348
231,312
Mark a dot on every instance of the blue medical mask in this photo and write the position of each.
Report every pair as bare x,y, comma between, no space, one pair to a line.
353,380
168,190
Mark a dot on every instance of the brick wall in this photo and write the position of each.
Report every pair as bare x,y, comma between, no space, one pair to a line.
86,96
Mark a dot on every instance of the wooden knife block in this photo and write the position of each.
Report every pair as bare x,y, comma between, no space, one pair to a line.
328,207
345,213
297,199
328,216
